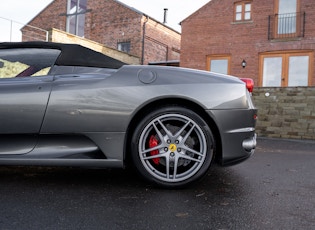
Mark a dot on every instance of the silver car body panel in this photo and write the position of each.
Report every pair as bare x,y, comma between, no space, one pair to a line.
80,116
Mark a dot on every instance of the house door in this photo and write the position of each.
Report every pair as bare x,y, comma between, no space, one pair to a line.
285,69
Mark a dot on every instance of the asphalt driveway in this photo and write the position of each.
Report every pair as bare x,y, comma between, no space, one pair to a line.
274,189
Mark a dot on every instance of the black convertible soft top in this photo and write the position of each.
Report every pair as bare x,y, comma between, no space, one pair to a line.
71,54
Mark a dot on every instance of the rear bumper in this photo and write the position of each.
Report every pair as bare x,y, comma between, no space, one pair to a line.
237,135
248,145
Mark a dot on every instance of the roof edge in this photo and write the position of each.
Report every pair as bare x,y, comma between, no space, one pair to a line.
146,15
29,22
192,14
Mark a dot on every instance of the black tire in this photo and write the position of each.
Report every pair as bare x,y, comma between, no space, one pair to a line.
172,146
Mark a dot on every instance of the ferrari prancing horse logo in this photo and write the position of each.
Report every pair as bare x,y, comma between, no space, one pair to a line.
172,147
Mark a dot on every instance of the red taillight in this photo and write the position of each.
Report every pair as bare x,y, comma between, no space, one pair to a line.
249,84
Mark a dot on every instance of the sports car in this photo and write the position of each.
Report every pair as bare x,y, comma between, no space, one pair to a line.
67,105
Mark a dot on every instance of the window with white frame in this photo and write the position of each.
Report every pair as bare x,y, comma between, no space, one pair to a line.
76,17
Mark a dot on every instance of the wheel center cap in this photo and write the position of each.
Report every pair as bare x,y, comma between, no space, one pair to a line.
172,147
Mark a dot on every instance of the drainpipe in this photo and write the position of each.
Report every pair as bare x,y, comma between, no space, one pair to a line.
143,38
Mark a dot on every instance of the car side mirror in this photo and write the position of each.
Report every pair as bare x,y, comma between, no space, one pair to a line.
1,64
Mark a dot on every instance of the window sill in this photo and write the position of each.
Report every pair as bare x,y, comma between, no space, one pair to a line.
285,39
242,22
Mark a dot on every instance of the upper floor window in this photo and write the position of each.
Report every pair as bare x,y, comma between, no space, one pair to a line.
288,21
76,17
242,11
286,16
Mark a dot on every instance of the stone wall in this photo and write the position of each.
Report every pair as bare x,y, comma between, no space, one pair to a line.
287,112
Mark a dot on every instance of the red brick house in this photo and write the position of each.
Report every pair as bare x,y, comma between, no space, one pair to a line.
111,23
271,41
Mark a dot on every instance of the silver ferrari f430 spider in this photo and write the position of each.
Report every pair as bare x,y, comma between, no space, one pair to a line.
66,105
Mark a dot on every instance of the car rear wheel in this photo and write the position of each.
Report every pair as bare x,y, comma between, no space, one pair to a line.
172,146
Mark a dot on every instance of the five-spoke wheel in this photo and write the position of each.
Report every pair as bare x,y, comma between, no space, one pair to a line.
172,146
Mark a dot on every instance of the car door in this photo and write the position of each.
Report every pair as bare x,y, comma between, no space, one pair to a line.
24,93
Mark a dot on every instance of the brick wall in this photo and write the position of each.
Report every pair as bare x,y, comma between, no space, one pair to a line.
212,31
109,22
160,42
48,18
285,112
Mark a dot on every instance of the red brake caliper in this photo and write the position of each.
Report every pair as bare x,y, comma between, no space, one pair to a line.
152,143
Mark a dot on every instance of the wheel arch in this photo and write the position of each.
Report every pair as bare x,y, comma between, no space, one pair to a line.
172,102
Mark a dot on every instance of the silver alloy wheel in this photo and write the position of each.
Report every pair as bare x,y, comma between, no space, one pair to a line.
172,147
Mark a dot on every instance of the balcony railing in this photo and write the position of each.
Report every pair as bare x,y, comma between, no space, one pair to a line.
283,26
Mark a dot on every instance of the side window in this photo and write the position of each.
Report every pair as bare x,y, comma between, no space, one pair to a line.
24,62
219,63
124,46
